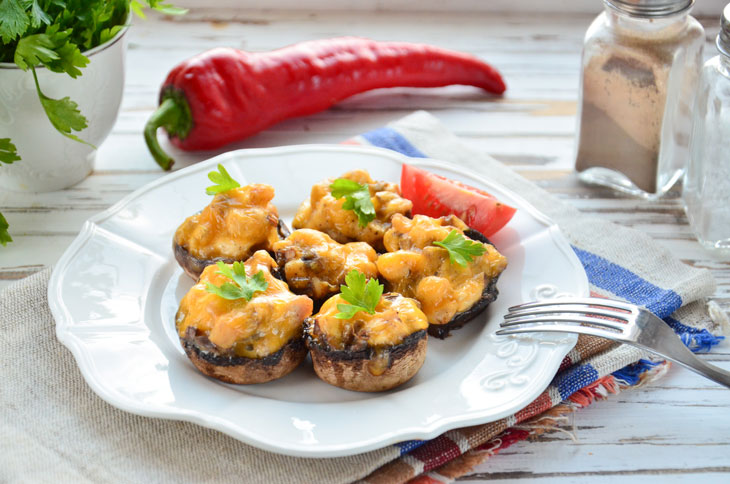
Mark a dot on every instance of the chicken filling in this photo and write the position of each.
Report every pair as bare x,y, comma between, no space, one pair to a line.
316,265
233,226
324,212
252,329
416,268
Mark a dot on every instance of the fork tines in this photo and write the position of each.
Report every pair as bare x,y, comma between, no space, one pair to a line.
569,316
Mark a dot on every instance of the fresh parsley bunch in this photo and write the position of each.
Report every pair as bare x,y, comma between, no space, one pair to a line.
54,34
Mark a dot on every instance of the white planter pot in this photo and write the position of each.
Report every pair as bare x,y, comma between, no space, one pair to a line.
49,160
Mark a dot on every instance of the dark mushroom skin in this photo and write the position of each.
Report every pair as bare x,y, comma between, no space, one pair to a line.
323,212
229,368
244,341
315,265
450,295
368,353
231,228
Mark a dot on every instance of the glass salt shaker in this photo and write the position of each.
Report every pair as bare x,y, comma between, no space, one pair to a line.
706,192
641,60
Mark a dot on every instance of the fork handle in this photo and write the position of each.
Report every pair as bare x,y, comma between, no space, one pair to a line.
676,351
718,375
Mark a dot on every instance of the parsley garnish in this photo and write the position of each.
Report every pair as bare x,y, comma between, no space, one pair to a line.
361,296
4,234
461,250
357,199
242,286
223,181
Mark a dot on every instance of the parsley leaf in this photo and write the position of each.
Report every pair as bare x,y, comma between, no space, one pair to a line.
38,16
223,181
33,50
13,20
361,296
461,250
4,235
242,287
8,151
63,114
357,199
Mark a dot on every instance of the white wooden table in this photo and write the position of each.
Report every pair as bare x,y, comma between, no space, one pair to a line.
677,429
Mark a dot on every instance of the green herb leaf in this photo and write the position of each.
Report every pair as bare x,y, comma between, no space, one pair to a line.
360,295
38,16
461,250
357,199
4,234
242,287
13,20
33,50
70,60
8,151
63,114
223,181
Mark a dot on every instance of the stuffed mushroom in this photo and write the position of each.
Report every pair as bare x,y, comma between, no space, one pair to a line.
450,269
352,208
367,349
235,224
240,324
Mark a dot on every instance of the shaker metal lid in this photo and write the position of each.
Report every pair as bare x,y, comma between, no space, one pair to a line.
650,8
723,38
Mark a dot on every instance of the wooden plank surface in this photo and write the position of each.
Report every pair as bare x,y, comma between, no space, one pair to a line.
675,430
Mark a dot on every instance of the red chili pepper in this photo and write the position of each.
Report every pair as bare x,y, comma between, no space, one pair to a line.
224,95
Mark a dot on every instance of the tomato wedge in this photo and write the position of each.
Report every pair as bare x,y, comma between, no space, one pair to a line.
435,196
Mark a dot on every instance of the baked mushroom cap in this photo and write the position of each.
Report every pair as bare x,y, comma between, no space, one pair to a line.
450,294
243,341
361,370
235,224
369,353
230,368
193,266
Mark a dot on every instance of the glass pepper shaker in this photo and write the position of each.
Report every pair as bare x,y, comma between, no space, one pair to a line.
641,60
706,192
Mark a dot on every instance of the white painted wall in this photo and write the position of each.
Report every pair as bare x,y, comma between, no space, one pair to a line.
702,7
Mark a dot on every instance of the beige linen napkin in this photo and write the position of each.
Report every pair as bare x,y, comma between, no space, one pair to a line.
54,429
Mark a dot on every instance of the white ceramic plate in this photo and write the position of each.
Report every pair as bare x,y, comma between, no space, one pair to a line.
115,291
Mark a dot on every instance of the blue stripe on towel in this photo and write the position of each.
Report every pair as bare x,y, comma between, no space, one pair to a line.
409,445
570,381
625,284
393,140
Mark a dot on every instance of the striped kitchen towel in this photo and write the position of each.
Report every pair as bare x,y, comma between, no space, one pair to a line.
620,263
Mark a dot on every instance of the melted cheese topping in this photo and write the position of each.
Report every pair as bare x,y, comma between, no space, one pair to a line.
235,224
416,268
253,329
395,318
316,265
323,212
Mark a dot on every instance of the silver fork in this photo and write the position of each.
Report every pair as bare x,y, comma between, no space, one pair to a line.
627,324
